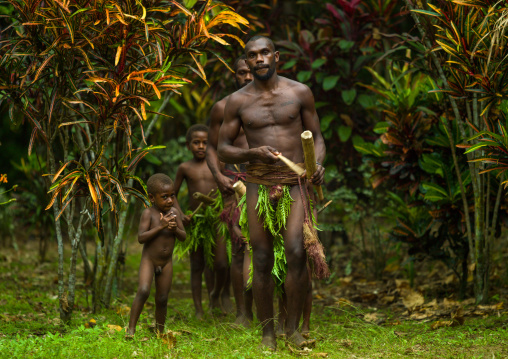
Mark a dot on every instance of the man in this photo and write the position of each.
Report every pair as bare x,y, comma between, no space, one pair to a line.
243,297
273,111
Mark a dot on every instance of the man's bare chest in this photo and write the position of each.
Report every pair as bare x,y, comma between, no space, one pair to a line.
277,110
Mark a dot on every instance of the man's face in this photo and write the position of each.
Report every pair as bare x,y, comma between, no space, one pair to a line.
164,199
242,75
197,144
261,59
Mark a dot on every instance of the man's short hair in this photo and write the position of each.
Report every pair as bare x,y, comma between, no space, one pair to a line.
257,37
240,58
156,181
195,128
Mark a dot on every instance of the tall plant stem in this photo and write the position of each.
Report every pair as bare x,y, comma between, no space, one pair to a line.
63,305
456,112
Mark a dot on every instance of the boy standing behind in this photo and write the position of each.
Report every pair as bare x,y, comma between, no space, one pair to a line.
158,227
203,238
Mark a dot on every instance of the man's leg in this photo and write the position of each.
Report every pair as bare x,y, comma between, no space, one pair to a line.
247,289
307,308
163,282
145,282
220,269
237,280
197,262
263,285
281,320
297,279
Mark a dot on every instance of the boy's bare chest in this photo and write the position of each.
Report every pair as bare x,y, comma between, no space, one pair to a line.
271,110
199,173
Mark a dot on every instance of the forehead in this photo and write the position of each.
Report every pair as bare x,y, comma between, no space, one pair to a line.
164,188
258,45
242,66
199,135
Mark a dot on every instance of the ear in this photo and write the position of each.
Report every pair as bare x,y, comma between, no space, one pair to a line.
187,144
151,198
276,54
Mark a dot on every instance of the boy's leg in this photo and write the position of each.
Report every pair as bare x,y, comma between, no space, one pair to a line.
220,269
163,282
225,297
145,282
297,279
197,261
262,256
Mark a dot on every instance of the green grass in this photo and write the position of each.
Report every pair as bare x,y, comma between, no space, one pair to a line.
30,328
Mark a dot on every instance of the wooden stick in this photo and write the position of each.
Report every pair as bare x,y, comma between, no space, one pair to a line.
310,159
197,210
293,166
203,198
323,208
200,205
239,188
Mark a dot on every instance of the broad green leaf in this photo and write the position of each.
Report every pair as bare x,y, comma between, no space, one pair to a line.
304,76
345,133
318,63
367,101
329,82
289,64
381,127
349,96
326,121
346,45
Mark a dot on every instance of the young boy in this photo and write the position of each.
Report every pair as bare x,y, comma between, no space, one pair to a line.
205,245
158,228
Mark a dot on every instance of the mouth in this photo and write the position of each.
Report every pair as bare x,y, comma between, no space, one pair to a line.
261,68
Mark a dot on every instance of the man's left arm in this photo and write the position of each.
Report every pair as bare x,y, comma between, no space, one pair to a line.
310,122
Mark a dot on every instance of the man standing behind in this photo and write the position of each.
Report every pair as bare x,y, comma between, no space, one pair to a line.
243,298
273,111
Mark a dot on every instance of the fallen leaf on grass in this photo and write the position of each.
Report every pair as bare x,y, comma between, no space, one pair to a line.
144,339
346,343
320,355
304,352
342,302
458,318
414,349
123,310
412,299
115,327
441,324
387,299
376,318
91,323
399,334
168,338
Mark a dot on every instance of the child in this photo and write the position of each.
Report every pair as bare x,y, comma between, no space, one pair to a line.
158,227
203,232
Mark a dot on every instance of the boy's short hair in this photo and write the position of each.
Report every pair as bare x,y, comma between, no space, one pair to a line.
156,181
195,128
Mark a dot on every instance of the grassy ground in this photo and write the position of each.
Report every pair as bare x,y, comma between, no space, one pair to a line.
30,327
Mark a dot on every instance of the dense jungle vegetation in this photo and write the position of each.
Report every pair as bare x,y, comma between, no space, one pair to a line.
97,96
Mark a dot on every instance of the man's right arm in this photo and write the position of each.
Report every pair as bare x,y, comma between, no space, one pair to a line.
224,183
229,132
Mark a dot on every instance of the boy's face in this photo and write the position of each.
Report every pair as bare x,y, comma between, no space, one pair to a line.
164,199
197,144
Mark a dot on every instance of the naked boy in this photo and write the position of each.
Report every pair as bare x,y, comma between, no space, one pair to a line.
159,226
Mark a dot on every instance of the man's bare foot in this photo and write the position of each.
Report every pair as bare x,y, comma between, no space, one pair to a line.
305,332
215,306
299,341
243,321
199,315
130,331
268,343
227,304
129,336
279,332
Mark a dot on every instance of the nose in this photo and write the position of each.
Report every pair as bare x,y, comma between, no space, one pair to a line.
248,77
259,59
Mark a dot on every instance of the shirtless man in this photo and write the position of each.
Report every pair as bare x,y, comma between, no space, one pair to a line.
243,297
273,111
